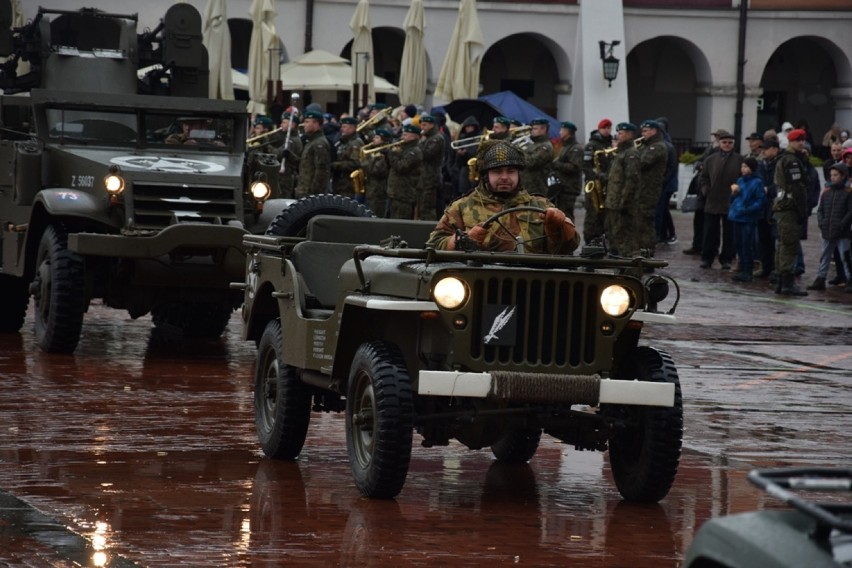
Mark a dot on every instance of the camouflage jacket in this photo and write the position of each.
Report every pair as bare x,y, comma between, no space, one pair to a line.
376,168
597,142
315,166
568,167
538,158
624,177
432,146
475,207
653,157
406,162
348,160
291,156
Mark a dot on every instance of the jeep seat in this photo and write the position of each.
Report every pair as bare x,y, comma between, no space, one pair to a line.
319,265
368,230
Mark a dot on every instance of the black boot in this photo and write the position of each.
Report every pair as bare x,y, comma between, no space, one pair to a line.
788,286
818,284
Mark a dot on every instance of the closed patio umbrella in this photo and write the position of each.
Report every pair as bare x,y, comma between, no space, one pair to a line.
217,40
362,57
412,72
459,78
263,58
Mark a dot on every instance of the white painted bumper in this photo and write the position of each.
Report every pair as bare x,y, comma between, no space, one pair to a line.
481,385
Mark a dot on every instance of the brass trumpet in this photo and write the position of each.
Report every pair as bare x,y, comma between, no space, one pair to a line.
464,143
367,151
638,142
254,140
373,120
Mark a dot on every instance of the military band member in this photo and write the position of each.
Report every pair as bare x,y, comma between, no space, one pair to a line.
432,145
499,188
653,157
348,157
500,128
376,168
375,108
315,165
622,187
289,155
406,161
600,139
539,157
567,171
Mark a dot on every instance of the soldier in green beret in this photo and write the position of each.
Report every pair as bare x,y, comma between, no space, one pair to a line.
623,186
539,158
567,171
653,157
406,162
499,188
315,165
348,157
289,155
432,145
500,128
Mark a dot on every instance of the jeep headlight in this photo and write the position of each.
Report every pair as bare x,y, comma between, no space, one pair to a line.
450,293
114,181
615,300
260,190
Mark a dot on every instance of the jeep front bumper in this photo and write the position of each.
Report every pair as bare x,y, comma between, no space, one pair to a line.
545,388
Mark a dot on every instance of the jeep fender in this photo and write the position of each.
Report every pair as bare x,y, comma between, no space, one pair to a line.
59,202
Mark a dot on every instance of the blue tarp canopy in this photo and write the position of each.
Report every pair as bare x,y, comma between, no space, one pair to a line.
504,103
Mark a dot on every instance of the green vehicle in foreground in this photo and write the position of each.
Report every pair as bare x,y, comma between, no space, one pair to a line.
126,186
812,534
352,314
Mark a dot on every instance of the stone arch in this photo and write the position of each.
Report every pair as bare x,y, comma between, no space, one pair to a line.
806,78
531,65
664,74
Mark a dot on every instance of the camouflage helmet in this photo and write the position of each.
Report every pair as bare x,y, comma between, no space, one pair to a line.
498,154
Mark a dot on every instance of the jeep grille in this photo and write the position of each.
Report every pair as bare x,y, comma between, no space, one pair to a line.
556,321
157,206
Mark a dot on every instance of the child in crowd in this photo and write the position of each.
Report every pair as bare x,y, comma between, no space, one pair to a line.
748,199
834,215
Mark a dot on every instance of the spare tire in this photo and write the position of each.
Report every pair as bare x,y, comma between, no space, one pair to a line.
293,221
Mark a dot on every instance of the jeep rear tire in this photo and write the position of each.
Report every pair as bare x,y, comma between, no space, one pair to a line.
644,454
282,402
518,446
14,295
379,419
59,292
196,319
293,221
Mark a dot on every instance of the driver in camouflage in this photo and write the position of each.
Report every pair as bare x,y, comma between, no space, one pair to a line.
499,188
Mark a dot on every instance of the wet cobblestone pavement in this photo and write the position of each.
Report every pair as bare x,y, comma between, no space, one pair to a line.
140,450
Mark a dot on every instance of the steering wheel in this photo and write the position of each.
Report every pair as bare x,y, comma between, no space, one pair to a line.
519,243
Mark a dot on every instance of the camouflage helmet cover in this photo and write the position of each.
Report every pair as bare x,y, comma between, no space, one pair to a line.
498,154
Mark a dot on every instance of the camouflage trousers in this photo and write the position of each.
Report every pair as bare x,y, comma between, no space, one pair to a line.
594,223
377,199
400,209
426,205
619,231
789,234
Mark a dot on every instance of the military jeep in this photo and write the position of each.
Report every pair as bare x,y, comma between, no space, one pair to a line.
352,314
120,183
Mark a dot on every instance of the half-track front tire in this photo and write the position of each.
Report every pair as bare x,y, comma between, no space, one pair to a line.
293,221
518,446
282,402
644,452
379,419
59,293
14,297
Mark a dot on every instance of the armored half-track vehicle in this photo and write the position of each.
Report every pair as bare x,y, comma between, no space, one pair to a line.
353,314
117,183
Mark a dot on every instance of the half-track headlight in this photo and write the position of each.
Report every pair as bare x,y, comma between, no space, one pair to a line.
260,190
450,293
615,300
114,181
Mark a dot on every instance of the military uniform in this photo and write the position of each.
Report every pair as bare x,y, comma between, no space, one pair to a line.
469,211
432,146
653,157
623,184
594,222
376,169
539,157
790,210
406,162
315,166
348,160
290,157
568,174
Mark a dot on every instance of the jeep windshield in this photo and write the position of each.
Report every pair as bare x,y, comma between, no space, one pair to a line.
122,128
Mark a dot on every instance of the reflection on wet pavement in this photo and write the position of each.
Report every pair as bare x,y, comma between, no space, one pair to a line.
144,445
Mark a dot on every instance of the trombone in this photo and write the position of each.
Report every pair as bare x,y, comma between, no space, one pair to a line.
365,151
464,143
373,120
254,140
